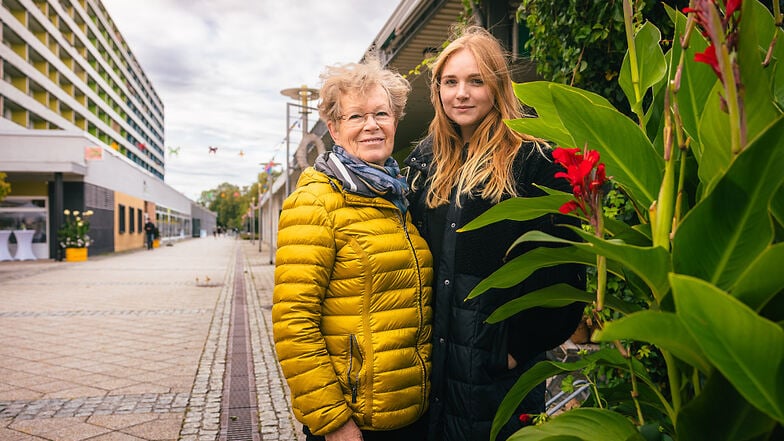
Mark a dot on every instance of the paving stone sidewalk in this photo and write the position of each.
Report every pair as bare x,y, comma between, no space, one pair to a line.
132,346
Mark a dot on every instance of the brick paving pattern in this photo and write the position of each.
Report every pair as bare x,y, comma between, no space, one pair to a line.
133,346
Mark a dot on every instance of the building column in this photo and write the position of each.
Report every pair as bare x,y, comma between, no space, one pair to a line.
56,220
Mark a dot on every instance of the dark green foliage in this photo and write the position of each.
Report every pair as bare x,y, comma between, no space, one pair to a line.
231,202
582,42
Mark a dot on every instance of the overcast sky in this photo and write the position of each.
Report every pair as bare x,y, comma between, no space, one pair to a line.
219,67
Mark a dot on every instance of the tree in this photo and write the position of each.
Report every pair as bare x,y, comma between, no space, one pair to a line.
5,187
225,201
231,202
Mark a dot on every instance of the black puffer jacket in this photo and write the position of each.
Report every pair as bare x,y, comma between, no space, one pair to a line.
470,375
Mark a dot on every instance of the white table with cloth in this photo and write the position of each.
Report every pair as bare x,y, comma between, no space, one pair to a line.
5,254
24,245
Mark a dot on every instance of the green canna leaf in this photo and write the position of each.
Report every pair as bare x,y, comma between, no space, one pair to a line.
664,329
650,61
585,424
723,234
745,347
519,268
555,296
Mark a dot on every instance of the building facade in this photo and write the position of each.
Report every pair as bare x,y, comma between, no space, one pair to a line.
82,128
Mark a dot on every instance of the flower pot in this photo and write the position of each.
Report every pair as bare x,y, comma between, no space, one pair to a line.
75,254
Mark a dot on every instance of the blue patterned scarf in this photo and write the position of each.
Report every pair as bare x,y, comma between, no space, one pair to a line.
365,178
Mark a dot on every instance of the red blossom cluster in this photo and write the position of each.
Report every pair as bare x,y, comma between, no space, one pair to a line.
703,10
586,175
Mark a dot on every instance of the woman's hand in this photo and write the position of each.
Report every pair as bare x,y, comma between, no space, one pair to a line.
511,363
347,432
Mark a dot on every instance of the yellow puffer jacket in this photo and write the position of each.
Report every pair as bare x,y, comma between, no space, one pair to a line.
352,308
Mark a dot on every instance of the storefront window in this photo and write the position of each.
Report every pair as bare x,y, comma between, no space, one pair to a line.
24,213
172,224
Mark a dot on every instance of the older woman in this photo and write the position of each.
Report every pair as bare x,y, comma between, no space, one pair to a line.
353,277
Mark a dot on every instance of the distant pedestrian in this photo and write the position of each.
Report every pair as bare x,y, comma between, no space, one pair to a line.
149,232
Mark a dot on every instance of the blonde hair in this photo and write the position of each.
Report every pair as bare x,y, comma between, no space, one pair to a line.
486,169
341,79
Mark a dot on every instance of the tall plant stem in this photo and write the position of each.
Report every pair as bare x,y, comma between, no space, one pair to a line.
633,67
662,223
695,381
674,377
682,142
778,18
730,83
668,408
635,393
601,261
677,214
601,281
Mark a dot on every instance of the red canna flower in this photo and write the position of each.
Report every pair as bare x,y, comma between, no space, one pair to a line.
569,207
586,176
565,156
700,16
704,12
599,178
732,6
720,29
709,57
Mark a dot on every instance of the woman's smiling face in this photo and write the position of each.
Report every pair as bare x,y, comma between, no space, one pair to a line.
366,128
464,95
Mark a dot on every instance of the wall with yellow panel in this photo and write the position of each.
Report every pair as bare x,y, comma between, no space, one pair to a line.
128,232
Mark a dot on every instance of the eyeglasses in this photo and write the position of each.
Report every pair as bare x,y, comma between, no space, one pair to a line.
360,119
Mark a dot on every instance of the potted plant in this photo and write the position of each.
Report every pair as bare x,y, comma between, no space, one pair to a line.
701,162
156,238
73,235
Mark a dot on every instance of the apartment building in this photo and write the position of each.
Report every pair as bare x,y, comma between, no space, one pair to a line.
82,128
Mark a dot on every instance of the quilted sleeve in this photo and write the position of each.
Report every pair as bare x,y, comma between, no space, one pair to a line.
304,261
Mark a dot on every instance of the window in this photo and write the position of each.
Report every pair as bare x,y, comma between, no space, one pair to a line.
25,213
122,218
139,220
131,228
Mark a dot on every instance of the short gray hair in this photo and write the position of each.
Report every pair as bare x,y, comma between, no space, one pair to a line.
340,79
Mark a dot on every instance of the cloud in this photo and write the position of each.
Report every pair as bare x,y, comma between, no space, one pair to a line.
219,67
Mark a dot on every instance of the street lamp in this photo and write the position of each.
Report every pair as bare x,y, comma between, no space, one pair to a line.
252,212
268,190
303,94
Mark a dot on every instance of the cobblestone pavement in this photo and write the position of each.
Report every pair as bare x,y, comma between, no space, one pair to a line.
132,346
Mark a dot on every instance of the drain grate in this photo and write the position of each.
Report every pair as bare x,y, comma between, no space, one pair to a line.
239,413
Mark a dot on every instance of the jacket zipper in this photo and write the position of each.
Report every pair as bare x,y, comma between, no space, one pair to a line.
419,305
353,385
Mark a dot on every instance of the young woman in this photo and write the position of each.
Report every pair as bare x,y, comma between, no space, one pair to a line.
352,294
469,162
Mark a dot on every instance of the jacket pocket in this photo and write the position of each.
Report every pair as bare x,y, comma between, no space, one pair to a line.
355,360
498,362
